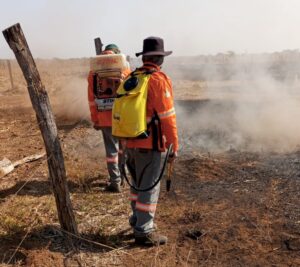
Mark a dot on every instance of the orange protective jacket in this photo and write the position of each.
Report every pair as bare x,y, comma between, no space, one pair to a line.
159,100
103,118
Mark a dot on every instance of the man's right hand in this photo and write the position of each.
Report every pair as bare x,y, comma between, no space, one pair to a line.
172,157
97,127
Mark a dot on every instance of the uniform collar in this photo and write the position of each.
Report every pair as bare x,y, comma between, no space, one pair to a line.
150,65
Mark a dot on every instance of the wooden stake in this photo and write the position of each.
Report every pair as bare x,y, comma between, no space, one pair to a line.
10,74
98,46
40,102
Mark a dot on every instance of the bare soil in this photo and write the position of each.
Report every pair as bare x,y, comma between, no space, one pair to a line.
231,208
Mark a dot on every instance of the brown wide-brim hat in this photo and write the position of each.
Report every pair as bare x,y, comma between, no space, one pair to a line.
154,46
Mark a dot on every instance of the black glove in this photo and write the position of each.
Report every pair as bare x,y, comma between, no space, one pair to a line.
97,127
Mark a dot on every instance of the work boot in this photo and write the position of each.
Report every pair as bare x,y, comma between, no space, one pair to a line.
151,239
132,221
113,187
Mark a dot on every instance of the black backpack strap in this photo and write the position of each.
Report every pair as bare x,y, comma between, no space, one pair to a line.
143,70
157,139
150,71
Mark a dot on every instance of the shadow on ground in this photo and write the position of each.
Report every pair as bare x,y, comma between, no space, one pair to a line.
40,188
51,238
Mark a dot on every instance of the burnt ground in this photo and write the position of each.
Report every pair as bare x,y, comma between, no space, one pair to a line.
232,208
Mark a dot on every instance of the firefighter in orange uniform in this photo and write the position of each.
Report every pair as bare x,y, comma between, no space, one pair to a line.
102,119
144,155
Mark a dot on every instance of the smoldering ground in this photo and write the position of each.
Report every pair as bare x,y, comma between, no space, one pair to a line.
244,106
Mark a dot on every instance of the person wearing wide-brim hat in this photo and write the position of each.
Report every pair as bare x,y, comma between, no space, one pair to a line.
154,46
144,155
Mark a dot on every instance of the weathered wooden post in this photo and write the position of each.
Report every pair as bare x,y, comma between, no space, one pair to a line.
40,102
10,74
98,46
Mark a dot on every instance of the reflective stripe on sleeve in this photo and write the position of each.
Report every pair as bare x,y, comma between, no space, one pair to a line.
167,114
145,207
112,159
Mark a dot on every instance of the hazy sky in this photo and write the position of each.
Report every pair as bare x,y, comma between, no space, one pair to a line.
67,28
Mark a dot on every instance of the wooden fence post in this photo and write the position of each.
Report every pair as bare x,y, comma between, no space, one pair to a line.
40,102
98,46
10,74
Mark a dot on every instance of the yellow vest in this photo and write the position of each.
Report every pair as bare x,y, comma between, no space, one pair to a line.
129,109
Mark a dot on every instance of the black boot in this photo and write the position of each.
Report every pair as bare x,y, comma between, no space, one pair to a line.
113,187
151,239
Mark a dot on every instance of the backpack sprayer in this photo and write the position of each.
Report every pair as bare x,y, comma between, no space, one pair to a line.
107,76
131,103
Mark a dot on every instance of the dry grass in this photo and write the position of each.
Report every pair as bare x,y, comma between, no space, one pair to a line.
245,205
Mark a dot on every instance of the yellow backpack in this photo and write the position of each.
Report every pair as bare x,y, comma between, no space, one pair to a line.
129,109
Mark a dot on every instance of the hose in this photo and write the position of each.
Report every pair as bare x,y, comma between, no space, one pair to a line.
158,179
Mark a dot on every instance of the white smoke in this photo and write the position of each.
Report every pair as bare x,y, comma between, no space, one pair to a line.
254,110
72,101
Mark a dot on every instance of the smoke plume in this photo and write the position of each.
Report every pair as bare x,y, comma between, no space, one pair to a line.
71,100
250,105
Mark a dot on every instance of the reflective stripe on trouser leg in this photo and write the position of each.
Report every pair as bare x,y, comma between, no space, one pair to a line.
111,145
148,164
